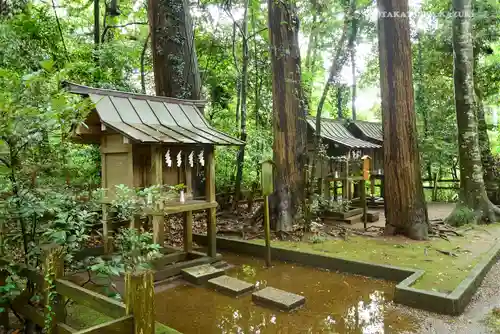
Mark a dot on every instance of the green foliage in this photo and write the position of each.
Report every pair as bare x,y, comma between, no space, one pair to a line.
321,206
461,216
126,203
137,249
71,224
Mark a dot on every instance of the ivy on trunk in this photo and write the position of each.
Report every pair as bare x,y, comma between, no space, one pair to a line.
474,205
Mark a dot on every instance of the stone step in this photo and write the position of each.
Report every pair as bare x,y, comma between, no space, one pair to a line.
230,285
276,298
221,265
201,274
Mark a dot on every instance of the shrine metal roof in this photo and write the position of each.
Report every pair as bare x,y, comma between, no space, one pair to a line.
370,130
336,131
153,119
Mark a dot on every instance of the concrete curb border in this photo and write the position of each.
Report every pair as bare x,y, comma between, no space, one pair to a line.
453,303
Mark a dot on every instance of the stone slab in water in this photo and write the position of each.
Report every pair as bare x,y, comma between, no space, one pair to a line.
230,285
201,274
280,299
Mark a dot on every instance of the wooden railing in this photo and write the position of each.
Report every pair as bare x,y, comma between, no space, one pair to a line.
136,315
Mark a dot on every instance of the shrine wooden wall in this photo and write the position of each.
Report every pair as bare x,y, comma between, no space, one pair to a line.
134,164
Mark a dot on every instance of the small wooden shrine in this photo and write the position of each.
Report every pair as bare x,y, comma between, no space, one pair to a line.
373,133
152,140
344,151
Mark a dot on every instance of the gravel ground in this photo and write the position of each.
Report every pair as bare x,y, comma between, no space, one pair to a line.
471,321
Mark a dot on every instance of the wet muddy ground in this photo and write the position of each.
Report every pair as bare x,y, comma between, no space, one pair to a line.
335,303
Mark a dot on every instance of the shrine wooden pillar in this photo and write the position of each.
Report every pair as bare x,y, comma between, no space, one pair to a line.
210,197
157,179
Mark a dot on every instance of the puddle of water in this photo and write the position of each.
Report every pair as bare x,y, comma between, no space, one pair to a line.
335,303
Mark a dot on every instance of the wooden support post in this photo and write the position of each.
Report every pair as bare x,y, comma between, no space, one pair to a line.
372,185
140,301
157,165
107,232
188,170
159,226
210,196
135,221
53,269
362,184
345,188
326,188
188,231
267,231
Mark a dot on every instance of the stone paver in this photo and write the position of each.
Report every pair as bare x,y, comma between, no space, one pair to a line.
230,285
201,274
280,299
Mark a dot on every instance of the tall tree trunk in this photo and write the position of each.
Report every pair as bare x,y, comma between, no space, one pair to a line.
405,207
340,102
289,116
244,86
312,48
338,62
419,98
175,62
473,205
174,55
490,175
97,32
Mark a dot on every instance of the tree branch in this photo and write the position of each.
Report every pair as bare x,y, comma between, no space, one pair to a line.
256,33
119,26
60,30
5,162
228,12
143,55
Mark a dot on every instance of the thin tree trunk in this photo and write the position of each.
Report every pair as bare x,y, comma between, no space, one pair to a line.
352,47
174,54
238,78
312,47
289,117
405,207
97,31
337,64
473,205
244,86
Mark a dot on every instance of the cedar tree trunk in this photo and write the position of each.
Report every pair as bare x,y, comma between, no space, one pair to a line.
289,117
174,55
405,207
175,62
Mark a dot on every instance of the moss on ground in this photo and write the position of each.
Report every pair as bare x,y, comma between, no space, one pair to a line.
442,272
80,317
